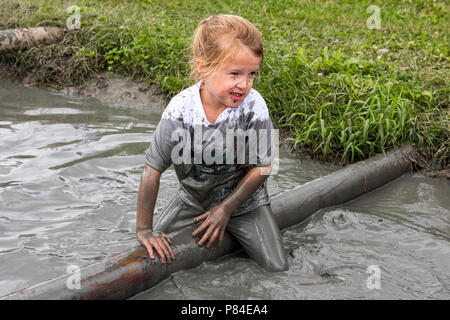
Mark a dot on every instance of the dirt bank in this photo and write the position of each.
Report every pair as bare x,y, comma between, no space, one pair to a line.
118,91
114,90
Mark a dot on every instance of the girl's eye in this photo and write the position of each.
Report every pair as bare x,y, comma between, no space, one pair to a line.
234,73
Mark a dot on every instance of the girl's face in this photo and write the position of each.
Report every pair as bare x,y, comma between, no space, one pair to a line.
230,85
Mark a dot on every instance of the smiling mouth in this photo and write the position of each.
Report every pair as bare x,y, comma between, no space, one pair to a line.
237,96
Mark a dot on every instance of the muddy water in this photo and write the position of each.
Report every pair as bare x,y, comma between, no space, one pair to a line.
392,243
69,175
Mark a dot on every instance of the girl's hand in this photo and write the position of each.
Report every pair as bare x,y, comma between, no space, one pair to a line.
216,220
159,241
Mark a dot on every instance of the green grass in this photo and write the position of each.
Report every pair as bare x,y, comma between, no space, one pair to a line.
331,90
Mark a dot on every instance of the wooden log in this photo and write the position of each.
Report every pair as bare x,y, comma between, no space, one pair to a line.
20,39
131,272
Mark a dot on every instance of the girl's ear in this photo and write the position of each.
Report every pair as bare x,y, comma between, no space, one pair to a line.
200,67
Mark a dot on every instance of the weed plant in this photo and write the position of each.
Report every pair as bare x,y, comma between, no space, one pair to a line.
337,89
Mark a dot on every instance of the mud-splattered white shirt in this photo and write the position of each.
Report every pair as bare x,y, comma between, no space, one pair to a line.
208,163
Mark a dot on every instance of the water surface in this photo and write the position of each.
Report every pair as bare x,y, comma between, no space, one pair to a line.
69,176
402,229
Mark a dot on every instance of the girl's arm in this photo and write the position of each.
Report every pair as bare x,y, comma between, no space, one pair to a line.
148,192
217,217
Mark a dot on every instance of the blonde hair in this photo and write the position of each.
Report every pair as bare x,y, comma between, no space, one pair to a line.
218,39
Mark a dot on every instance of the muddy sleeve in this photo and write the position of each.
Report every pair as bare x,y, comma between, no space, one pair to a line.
158,154
262,124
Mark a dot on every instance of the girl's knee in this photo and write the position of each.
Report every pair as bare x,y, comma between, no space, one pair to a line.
276,265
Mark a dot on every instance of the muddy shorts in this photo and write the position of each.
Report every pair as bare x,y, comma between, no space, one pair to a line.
257,231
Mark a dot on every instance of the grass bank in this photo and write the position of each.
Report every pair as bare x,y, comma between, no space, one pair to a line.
338,89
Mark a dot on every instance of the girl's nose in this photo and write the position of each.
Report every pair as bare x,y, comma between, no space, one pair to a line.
244,82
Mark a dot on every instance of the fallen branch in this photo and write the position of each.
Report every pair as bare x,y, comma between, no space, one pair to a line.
20,39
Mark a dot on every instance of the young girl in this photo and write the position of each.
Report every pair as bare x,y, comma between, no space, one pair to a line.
227,53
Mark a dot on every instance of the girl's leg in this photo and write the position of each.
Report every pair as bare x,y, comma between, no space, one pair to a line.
176,216
259,235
